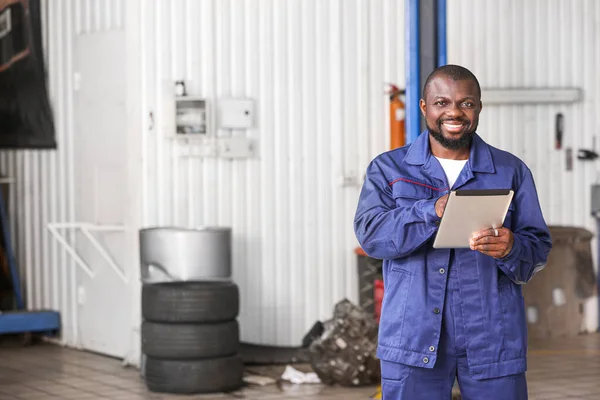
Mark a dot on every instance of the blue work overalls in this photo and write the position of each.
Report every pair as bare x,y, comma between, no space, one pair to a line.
449,312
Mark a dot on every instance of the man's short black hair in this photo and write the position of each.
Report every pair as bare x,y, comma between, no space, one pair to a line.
453,72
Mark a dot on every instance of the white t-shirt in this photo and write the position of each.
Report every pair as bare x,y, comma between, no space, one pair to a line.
452,168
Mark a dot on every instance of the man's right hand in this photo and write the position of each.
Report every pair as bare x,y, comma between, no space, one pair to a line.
440,205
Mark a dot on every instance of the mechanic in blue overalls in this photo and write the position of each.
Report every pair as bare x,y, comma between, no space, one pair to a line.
451,313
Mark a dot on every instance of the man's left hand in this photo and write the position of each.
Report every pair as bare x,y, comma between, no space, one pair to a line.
492,242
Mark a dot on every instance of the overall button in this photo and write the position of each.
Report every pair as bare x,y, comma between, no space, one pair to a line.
425,360
431,348
442,271
436,310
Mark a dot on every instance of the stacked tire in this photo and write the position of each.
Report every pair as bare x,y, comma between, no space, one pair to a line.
190,337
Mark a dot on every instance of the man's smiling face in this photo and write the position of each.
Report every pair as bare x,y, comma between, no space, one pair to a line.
451,110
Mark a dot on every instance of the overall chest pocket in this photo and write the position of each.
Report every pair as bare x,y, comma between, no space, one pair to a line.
408,190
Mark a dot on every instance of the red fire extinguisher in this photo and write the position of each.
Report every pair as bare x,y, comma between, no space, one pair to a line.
378,297
397,116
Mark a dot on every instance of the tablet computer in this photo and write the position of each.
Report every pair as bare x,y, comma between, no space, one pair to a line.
470,211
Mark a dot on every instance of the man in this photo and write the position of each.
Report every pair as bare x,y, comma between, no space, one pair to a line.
451,313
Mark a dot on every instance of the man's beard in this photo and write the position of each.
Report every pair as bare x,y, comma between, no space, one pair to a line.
463,142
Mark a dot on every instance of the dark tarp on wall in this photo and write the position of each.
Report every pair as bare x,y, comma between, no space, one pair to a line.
26,119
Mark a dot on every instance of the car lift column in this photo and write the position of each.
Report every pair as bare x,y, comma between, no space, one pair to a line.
23,320
425,51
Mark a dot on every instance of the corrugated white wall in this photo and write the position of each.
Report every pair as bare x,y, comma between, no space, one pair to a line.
42,182
316,70
538,44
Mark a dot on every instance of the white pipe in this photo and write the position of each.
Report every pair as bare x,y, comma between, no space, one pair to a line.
531,95
71,251
88,226
105,255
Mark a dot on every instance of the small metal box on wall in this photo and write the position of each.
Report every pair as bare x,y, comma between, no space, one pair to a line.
235,113
189,120
191,116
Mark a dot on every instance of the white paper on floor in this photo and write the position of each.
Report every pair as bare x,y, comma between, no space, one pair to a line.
259,380
291,374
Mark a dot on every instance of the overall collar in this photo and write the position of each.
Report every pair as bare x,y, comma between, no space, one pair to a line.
480,158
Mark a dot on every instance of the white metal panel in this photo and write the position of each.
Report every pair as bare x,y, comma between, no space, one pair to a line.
316,70
101,182
538,44
43,190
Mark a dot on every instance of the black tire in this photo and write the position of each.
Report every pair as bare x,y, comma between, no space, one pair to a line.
194,376
190,302
185,341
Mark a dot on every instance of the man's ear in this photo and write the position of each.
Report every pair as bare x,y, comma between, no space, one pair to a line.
422,106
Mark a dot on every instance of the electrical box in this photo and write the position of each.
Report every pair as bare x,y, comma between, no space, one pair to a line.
236,147
193,122
235,113
191,116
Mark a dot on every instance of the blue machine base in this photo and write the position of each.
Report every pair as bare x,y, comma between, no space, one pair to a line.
29,321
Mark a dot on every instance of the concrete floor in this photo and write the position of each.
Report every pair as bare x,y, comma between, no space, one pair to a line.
558,369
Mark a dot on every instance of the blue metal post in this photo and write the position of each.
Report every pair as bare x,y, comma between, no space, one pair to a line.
442,58
21,320
12,262
413,85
